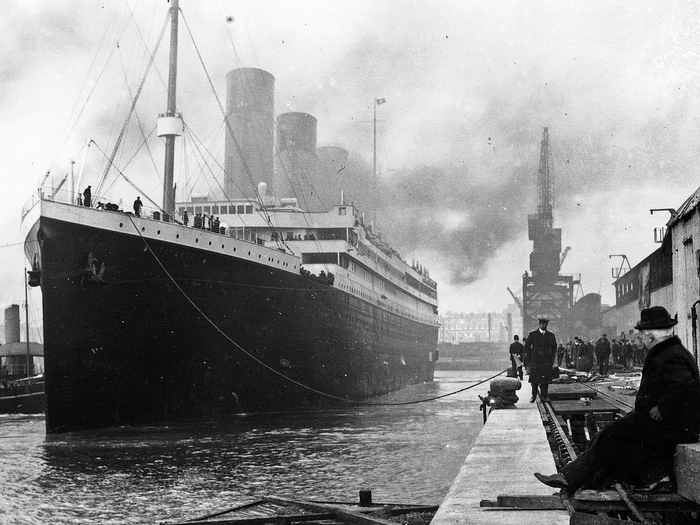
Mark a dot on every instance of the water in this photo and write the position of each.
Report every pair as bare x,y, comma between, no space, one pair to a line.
404,454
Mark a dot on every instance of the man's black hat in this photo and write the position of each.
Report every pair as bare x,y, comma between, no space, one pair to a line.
655,317
543,320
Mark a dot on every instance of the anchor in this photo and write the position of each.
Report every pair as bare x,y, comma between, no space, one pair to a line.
91,275
35,273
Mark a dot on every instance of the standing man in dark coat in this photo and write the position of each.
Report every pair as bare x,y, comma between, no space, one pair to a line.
540,351
516,349
87,197
602,354
638,449
137,206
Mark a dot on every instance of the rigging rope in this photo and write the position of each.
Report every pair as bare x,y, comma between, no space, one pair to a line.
131,109
265,365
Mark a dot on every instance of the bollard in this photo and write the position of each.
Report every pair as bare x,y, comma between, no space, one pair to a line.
365,498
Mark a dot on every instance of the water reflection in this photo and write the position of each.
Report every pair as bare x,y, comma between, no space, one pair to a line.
407,454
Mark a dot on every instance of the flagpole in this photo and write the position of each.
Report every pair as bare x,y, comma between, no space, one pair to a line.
377,101
375,165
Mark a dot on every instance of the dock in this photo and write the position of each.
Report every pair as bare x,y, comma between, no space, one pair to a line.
511,446
496,485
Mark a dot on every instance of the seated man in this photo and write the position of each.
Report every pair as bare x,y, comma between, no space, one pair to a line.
638,448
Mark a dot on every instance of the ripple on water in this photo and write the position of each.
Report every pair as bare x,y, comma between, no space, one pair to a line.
404,454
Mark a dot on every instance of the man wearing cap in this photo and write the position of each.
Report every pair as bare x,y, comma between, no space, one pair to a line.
539,355
516,357
638,448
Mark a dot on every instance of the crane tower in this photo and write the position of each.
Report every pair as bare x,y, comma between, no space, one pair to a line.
546,293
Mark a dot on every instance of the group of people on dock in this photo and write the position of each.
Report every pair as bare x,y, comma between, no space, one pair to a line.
624,352
586,356
638,448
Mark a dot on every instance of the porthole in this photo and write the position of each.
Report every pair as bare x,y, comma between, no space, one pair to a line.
177,236
158,232
121,224
196,240
143,229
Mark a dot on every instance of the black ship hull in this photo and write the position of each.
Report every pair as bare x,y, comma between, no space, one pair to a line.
141,331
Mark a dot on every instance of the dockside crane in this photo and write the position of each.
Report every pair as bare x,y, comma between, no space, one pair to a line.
563,255
515,298
546,292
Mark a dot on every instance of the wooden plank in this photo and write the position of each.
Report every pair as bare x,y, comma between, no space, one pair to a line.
232,509
290,518
638,497
661,503
582,497
572,407
558,391
581,518
343,514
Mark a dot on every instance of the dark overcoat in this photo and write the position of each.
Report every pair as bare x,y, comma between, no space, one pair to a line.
540,351
669,381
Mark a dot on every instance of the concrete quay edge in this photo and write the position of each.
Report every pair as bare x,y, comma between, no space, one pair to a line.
511,446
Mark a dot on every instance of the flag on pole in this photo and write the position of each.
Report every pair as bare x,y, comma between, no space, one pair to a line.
380,101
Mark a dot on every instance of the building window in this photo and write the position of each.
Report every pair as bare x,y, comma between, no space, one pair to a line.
215,210
249,208
342,211
240,209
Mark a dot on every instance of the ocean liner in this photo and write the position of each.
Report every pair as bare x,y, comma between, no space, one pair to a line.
215,305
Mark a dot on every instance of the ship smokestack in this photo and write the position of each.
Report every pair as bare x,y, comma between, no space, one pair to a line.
12,329
250,114
295,159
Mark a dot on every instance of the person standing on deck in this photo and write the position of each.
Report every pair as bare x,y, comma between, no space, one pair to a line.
87,197
137,206
516,349
540,351
638,449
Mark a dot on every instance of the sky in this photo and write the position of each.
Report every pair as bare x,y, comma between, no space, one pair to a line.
469,87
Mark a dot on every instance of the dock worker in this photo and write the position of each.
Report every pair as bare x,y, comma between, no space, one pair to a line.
638,449
516,357
540,352
602,354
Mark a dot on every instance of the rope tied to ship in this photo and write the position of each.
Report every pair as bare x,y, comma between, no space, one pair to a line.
271,369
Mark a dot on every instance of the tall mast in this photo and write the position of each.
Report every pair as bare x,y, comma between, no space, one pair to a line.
26,327
170,125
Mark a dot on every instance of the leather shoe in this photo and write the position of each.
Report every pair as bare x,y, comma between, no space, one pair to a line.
532,399
557,481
